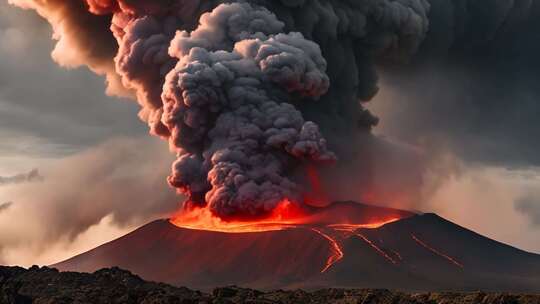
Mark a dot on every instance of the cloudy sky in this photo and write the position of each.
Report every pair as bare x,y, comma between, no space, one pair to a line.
101,175
94,154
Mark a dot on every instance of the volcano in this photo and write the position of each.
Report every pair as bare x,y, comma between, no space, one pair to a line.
371,247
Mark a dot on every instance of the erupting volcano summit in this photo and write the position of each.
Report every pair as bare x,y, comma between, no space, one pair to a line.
262,102
343,245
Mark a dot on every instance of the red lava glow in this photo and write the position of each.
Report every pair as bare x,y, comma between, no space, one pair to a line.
317,194
447,257
336,248
354,227
286,215
334,224
376,248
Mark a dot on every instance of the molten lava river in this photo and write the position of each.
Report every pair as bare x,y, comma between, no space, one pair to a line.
335,223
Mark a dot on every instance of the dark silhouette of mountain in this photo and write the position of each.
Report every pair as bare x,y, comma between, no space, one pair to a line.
420,252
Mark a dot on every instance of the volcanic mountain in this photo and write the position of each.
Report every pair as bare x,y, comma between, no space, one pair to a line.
382,247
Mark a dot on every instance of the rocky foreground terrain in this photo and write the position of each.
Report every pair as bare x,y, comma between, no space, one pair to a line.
113,285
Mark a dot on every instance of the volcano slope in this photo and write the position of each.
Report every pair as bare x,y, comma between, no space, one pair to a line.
418,252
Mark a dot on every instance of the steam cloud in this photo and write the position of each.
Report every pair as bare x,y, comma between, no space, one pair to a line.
105,190
244,90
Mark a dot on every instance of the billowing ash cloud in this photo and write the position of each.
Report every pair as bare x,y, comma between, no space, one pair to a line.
236,87
30,177
220,94
226,106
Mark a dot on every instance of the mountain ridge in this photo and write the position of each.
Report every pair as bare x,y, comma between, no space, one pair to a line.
422,252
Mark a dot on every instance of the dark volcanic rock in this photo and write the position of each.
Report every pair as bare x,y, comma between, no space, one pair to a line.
113,285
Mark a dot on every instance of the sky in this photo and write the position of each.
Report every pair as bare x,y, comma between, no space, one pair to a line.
101,174
90,149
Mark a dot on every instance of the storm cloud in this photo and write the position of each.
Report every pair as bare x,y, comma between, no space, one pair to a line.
47,111
473,85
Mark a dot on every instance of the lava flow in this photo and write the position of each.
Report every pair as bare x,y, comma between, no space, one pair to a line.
285,215
335,223
376,248
337,254
354,227
435,251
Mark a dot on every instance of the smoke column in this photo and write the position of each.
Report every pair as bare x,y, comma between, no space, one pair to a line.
236,87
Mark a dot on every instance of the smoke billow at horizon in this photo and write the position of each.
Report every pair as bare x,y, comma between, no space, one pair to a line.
251,93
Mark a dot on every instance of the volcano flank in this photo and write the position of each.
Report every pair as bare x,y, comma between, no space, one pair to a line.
371,247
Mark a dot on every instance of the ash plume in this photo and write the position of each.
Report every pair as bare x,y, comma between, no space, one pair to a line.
250,93
236,88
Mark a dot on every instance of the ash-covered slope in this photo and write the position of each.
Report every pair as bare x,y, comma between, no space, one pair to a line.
420,252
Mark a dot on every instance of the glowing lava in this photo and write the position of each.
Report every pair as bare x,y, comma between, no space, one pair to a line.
336,248
371,225
286,215
444,256
334,223
376,248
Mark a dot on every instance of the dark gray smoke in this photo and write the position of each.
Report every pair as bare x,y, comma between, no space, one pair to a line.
473,85
245,91
231,85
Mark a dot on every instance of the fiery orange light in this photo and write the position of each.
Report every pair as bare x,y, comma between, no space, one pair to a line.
334,225
371,225
336,248
286,215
